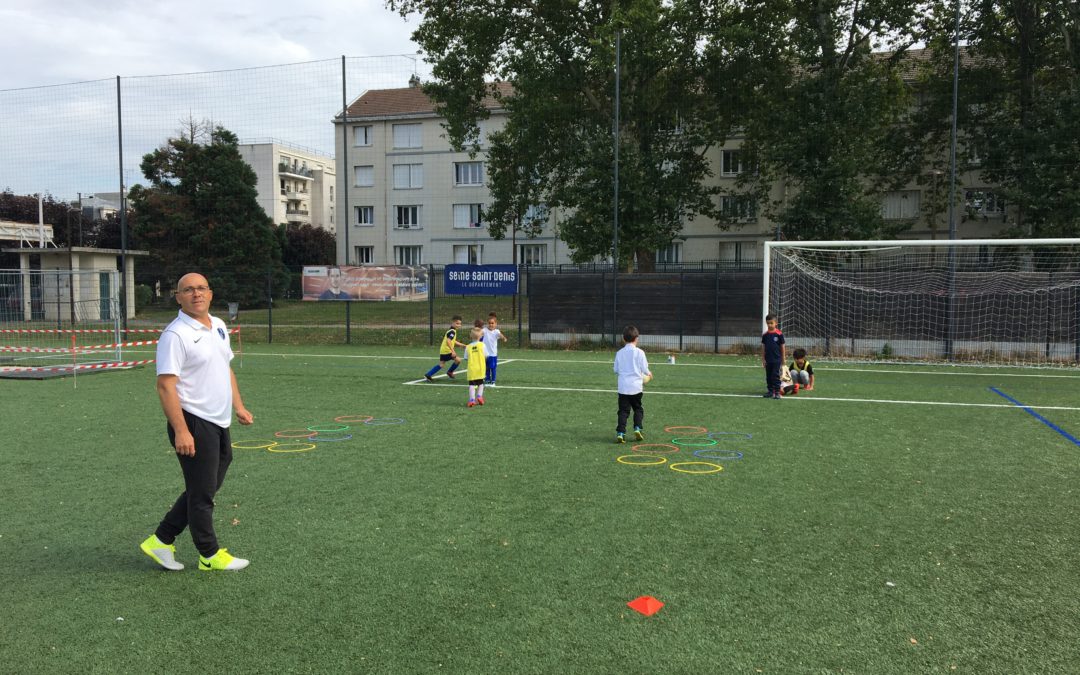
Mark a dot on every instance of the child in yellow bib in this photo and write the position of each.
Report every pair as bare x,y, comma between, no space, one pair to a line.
477,358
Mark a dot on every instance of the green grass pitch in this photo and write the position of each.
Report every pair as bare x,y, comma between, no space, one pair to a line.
898,519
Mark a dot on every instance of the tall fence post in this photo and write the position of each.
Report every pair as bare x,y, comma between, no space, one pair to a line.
528,294
431,304
716,310
269,309
682,307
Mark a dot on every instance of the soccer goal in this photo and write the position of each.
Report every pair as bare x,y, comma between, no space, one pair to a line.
988,301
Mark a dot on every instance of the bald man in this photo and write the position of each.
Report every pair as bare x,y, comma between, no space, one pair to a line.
198,393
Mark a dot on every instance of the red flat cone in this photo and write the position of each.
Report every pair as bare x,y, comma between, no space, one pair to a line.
646,604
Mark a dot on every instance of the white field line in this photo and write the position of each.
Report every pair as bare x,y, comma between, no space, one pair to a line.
830,369
787,398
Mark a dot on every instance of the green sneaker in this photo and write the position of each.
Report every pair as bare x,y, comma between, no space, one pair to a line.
221,561
620,438
162,553
638,434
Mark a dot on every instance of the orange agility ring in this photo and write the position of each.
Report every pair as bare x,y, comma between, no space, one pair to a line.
686,430
641,447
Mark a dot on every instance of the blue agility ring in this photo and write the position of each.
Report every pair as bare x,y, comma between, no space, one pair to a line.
711,454
384,421
333,439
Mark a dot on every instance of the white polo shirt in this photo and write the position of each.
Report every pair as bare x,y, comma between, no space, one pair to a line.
631,366
200,356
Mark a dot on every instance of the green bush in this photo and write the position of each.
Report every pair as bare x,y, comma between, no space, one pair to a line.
143,296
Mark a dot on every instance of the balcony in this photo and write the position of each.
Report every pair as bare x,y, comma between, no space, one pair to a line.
298,171
296,195
298,215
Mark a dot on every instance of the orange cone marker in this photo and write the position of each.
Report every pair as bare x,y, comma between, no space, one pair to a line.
646,604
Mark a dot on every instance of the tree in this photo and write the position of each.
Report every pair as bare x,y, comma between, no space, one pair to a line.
1020,108
200,213
827,118
307,245
556,149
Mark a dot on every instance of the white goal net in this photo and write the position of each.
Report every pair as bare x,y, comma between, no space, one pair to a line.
977,301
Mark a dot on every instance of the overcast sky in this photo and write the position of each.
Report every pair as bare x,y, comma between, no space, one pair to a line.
264,70
60,41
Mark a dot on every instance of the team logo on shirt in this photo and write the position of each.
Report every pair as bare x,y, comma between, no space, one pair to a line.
221,332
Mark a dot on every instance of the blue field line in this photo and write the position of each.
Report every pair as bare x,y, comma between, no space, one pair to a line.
1075,441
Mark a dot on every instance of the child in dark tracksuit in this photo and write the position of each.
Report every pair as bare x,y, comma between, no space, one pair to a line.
773,354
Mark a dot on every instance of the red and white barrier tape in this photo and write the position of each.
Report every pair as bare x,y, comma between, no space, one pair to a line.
86,366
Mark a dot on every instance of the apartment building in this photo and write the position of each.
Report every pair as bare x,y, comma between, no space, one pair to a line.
412,200
296,185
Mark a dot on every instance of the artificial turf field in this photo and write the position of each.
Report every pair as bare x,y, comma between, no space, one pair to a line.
898,519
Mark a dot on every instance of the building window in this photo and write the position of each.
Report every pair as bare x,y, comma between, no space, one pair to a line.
532,254
363,255
408,176
331,215
282,184
409,255
408,217
740,251
408,135
737,209
468,215
537,213
900,205
361,136
364,176
365,215
983,202
731,162
468,173
469,254
672,253
331,193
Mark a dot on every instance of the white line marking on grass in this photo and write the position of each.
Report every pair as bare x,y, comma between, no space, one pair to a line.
807,398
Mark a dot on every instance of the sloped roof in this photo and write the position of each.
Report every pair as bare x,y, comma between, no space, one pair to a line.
407,102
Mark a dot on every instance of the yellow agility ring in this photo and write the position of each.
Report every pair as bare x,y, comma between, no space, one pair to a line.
623,460
299,447
253,445
716,468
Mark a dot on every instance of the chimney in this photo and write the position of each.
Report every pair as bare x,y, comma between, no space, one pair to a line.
414,81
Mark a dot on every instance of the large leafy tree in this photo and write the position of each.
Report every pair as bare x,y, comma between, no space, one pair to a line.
557,148
200,213
1020,114
827,114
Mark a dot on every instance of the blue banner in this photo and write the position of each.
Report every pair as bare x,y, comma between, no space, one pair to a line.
480,280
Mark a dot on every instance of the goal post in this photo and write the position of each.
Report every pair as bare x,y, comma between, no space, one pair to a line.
979,301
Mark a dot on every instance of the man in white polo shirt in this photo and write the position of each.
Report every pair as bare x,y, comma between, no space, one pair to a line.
198,393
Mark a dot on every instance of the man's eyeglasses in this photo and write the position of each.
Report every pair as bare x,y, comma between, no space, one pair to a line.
192,290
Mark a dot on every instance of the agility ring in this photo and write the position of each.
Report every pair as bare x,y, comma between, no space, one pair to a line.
716,468
688,430
354,419
641,448
384,421
656,460
328,427
330,439
301,447
711,454
694,442
295,433
259,445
